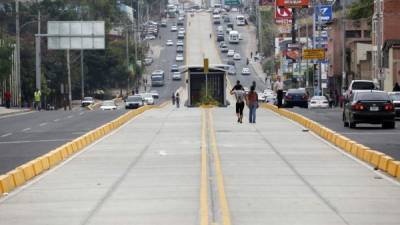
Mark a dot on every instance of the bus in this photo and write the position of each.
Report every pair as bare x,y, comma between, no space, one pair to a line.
157,78
234,37
240,20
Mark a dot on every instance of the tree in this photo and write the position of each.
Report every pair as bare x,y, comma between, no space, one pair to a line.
5,59
361,9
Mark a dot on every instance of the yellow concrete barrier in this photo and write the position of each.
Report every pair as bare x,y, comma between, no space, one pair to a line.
69,148
393,167
375,158
361,151
54,158
37,166
63,151
354,149
349,146
6,183
18,177
28,170
384,162
45,162
367,155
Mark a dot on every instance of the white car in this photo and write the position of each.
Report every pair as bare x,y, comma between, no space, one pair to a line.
261,97
170,43
236,56
395,96
318,102
245,71
150,37
176,76
230,53
179,57
179,43
108,105
182,30
87,101
148,98
155,94
174,28
240,37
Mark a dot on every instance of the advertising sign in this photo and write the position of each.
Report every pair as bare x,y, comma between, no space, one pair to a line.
232,2
283,13
317,53
324,13
292,3
284,28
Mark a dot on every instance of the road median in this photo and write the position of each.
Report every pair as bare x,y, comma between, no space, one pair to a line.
35,167
376,159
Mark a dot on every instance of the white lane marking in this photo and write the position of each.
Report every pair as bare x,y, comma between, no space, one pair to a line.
26,129
56,120
33,141
42,124
81,113
69,117
6,135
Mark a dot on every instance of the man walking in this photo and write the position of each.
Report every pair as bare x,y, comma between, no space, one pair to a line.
278,88
240,95
37,96
173,98
177,99
252,103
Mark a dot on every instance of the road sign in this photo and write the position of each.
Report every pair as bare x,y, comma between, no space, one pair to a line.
205,65
323,13
232,2
317,53
283,13
292,3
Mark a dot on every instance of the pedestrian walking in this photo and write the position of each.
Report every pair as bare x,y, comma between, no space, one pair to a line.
177,100
37,96
396,87
278,88
254,84
251,55
173,98
240,96
252,103
7,97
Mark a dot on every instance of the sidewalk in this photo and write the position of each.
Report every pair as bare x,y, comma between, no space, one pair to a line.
4,111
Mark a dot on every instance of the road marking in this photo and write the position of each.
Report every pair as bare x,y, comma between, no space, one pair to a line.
203,181
33,141
69,117
6,135
56,120
26,129
226,218
42,124
81,113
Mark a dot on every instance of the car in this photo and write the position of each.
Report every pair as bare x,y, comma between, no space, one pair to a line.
181,35
245,71
230,53
181,29
356,85
148,98
395,96
149,37
179,43
174,68
179,49
176,76
108,105
148,61
261,96
86,101
155,94
224,49
221,44
231,70
270,96
220,37
174,28
179,57
227,19
234,10
231,62
228,30
236,56
164,23
318,102
170,43
180,22
369,106
133,102
296,97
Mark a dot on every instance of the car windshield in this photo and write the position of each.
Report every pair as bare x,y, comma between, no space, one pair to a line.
108,103
363,86
87,99
372,96
134,99
296,91
319,98
156,78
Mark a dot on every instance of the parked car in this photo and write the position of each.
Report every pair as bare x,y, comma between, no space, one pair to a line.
296,97
395,96
220,37
133,102
224,49
318,102
236,56
108,105
369,106
230,53
174,68
179,57
170,43
174,28
245,71
179,49
155,94
87,101
179,43
164,23
176,76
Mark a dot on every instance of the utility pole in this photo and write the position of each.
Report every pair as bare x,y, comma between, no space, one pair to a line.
82,76
127,59
69,81
344,75
38,56
18,55
378,63
260,37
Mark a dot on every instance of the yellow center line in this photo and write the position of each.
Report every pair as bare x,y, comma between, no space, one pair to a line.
204,175
226,218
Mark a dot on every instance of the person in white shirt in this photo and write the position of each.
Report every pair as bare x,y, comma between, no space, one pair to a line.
278,88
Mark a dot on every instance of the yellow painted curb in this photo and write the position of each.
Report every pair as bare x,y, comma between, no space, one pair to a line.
18,177
28,170
384,162
393,168
375,158
6,183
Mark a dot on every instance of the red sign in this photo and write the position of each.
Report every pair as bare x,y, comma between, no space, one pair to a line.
283,13
292,3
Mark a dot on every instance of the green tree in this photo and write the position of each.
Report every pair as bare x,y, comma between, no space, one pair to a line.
5,59
361,9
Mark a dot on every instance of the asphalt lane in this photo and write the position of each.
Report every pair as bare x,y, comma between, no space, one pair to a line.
373,136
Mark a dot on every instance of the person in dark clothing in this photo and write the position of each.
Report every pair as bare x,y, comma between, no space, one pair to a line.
237,86
173,98
177,100
7,97
278,88
396,87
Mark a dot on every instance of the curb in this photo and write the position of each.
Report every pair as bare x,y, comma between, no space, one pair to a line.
35,167
376,159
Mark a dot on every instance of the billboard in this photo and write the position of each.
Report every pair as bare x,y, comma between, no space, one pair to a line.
283,13
324,13
292,3
232,2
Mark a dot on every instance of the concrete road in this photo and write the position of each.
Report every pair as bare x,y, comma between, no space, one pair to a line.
373,136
